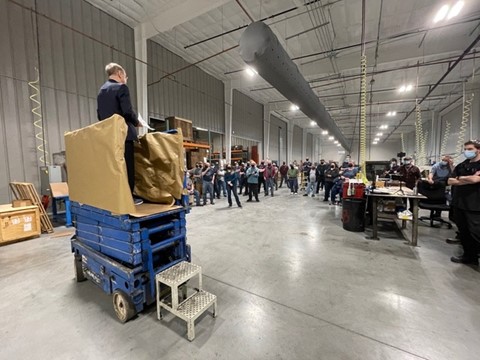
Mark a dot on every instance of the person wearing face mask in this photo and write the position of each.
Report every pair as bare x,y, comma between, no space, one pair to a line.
197,177
231,183
252,179
283,174
350,171
393,169
465,183
409,172
330,175
441,171
293,179
320,172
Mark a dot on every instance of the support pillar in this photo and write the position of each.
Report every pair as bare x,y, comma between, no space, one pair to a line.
228,120
289,142
141,74
266,131
304,143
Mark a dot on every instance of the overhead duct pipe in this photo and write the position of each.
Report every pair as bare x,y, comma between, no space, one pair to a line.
260,49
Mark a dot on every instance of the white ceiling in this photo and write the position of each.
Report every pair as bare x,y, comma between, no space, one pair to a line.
344,18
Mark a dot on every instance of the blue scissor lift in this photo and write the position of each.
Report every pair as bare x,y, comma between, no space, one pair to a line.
122,254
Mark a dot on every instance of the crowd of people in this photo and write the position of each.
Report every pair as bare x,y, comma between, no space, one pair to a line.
207,182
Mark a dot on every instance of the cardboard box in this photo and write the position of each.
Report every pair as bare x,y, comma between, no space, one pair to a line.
18,223
21,203
183,124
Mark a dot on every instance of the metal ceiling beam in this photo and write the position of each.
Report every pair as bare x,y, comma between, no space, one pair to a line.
432,89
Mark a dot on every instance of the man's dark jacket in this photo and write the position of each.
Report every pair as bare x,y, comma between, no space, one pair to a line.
114,98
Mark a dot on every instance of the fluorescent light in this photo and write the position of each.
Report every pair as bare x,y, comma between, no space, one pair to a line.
394,113
374,143
331,138
376,139
313,123
251,71
379,134
339,144
383,127
442,13
455,9
324,132
405,88
335,142
294,107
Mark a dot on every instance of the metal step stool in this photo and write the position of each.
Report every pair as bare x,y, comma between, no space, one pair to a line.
191,307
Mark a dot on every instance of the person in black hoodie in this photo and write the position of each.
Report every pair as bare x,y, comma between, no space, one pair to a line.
330,175
320,172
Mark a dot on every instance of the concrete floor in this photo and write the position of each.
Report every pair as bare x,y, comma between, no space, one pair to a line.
291,284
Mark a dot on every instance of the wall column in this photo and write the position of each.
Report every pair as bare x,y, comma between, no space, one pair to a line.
228,120
289,142
141,74
266,131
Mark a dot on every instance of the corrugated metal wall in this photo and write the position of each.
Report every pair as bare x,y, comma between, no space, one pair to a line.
309,149
71,71
277,140
247,117
297,143
192,94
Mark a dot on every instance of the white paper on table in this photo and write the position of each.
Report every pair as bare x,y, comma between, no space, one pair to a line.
144,123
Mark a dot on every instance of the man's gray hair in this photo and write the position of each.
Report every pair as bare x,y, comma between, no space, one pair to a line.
113,68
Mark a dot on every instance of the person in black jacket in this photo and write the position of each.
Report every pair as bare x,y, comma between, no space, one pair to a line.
114,98
320,172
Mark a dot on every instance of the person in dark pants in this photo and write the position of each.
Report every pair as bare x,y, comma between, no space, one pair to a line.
261,178
330,175
231,182
114,98
252,179
283,174
320,172
466,203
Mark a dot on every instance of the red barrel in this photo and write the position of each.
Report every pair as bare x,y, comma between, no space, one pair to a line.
358,190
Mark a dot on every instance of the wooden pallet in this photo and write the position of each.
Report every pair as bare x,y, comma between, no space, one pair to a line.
23,191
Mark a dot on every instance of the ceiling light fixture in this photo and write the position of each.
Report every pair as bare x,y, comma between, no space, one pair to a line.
374,143
405,88
379,134
383,127
324,132
441,14
339,144
335,142
294,107
391,113
331,138
251,71
313,123
455,9
376,139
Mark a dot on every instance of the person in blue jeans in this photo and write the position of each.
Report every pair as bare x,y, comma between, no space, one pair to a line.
231,180
208,177
337,188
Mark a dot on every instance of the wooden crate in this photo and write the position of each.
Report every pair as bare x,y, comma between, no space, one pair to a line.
184,124
18,223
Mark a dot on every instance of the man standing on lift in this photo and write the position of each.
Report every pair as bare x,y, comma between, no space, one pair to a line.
114,98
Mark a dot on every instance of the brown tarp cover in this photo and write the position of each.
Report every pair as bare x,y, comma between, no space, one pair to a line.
97,174
159,163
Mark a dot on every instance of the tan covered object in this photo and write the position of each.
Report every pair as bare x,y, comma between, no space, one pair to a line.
97,173
159,167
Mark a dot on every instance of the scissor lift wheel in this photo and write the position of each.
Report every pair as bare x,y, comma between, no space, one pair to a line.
79,275
123,306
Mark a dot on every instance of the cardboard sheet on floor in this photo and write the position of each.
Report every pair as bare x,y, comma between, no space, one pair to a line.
98,173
